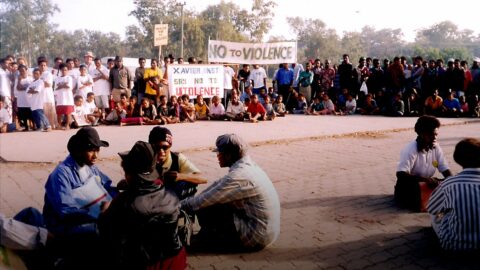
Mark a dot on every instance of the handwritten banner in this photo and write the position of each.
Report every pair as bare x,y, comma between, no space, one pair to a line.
193,80
252,53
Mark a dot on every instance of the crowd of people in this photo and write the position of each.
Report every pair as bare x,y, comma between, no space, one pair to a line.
70,94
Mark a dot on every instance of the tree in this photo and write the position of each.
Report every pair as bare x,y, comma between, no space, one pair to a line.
25,27
261,19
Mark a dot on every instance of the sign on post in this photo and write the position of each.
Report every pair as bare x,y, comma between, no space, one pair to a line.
160,35
252,53
193,80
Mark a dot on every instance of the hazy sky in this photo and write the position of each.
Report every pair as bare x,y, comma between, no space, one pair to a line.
341,15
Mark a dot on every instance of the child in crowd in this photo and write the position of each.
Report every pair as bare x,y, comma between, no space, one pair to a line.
350,105
148,112
79,114
4,117
464,106
246,103
173,111
124,102
369,106
187,110
301,107
64,97
328,107
133,109
216,110
235,109
162,110
272,94
93,113
116,115
84,82
279,107
255,110
398,105
269,108
23,105
36,93
316,107
201,109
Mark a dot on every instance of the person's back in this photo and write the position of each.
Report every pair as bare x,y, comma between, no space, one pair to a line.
454,204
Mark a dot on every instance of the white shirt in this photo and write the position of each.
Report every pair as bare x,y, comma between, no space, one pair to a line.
351,105
64,96
36,99
74,73
87,89
5,83
47,77
22,97
227,77
5,117
89,107
101,87
79,115
296,73
258,75
235,109
423,163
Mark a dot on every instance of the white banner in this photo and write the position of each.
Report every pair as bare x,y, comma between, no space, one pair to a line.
193,80
252,53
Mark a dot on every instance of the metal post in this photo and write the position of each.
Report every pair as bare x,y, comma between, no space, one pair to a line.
181,48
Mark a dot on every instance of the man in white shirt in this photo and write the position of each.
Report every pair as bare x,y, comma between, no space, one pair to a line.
5,85
297,68
259,78
88,57
101,85
229,74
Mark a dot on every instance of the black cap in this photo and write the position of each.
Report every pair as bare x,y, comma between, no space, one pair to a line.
160,134
118,58
141,160
85,138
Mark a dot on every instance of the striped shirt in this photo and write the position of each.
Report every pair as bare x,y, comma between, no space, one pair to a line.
253,197
455,211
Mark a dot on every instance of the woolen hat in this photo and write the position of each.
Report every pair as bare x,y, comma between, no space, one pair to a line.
85,138
160,134
141,160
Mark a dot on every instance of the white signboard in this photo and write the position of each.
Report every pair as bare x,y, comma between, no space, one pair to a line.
160,35
252,53
193,80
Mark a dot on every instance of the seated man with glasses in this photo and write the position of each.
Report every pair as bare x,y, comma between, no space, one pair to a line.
178,173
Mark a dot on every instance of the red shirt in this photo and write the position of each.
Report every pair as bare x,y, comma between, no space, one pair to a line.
256,108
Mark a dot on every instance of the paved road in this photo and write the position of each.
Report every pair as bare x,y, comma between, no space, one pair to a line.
336,196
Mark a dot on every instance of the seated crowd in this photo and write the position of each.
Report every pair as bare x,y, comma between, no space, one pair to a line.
71,94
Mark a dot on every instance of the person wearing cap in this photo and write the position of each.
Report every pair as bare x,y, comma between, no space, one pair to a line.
177,171
75,194
241,210
120,80
88,57
139,227
419,161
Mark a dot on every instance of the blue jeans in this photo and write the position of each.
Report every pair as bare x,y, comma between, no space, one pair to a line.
40,119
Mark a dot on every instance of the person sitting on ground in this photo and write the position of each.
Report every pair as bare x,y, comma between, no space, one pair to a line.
133,108
201,109
279,107
216,109
235,109
350,105
177,171
255,110
93,113
246,94
241,210
369,106
398,107
4,117
24,240
419,161
173,111
75,194
79,115
316,107
187,110
139,228
453,206
271,92
301,106
148,112
269,108
115,116
124,101
451,106
434,104
464,106
328,107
